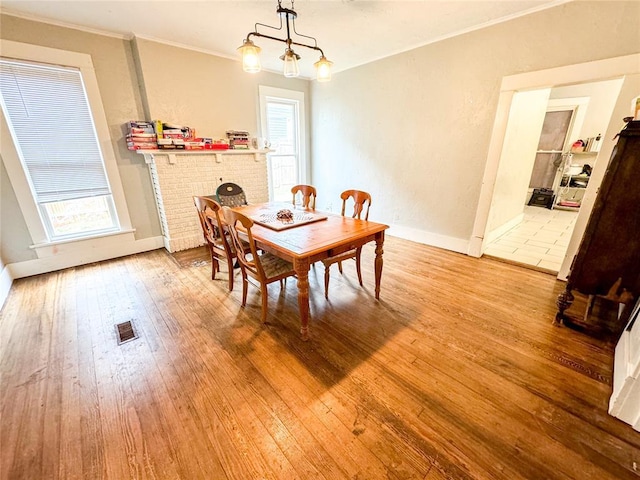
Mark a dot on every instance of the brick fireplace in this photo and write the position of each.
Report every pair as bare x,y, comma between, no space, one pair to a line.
177,177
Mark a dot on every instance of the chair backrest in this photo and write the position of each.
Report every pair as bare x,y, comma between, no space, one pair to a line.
251,264
361,202
211,221
231,195
308,195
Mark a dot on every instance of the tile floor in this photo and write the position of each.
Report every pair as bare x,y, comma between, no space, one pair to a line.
540,240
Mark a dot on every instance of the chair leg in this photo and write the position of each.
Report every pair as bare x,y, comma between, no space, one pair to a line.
265,301
358,269
215,267
326,281
245,285
230,270
340,267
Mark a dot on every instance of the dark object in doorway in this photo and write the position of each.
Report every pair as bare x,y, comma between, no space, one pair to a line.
542,197
608,260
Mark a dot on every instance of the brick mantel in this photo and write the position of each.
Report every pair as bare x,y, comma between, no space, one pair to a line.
178,176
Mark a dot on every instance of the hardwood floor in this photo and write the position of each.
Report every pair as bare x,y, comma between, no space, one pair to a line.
456,373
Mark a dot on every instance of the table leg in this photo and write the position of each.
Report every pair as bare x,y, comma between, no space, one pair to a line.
378,261
301,266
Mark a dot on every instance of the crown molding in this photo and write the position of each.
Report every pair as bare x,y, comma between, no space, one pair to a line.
56,23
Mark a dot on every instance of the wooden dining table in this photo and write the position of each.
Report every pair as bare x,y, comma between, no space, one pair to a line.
312,237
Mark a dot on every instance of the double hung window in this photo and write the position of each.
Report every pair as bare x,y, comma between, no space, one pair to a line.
49,116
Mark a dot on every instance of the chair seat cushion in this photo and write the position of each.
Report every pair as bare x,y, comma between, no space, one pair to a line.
274,266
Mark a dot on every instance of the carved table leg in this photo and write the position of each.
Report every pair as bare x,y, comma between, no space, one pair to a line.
564,301
301,267
378,262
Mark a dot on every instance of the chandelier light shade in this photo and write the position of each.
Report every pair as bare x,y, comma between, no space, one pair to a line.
323,69
250,51
250,56
290,59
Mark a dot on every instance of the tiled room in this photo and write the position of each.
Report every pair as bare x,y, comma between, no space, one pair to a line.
540,240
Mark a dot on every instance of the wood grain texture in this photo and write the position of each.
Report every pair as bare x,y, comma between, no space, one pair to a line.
455,373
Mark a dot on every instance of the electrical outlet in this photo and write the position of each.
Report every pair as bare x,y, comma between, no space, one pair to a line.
329,207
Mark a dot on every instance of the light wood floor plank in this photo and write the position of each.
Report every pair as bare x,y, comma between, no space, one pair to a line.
456,373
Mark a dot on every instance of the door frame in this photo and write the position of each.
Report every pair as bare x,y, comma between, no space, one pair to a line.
567,75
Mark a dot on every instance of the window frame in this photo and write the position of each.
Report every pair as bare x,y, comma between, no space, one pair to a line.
13,164
290,96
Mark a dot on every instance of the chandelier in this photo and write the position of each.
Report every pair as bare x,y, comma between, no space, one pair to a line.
250,51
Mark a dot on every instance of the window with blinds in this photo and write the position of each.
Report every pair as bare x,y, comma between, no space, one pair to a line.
48,113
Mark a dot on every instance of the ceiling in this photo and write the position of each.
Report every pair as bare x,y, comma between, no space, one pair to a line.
350,32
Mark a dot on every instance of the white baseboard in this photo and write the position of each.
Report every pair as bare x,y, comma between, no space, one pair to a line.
504,228
5,284
441,241
82,257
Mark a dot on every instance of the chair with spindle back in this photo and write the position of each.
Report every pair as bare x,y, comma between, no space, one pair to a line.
361,203
214,232
266,268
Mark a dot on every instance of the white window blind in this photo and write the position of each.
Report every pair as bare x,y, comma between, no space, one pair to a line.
48,111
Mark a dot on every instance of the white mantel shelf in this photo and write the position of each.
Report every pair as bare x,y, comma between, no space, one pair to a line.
172,154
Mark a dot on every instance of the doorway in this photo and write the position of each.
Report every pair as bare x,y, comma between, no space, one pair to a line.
624,69
539,237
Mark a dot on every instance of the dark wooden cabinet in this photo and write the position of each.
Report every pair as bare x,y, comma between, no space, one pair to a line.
608,261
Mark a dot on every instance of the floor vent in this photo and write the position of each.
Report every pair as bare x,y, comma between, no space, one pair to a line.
125,332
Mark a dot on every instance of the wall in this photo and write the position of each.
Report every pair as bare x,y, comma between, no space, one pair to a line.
516,162
602,97
414,129
141,79
5,278
209,93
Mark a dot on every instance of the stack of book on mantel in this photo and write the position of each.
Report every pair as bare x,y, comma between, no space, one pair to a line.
141,136
238,139
174,136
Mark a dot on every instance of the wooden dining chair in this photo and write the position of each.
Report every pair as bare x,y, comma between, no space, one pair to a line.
263,267
231,195
215,235
308,193
361,204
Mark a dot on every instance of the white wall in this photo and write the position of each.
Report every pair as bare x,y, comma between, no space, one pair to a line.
602,98
414,129
5,277
526,117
